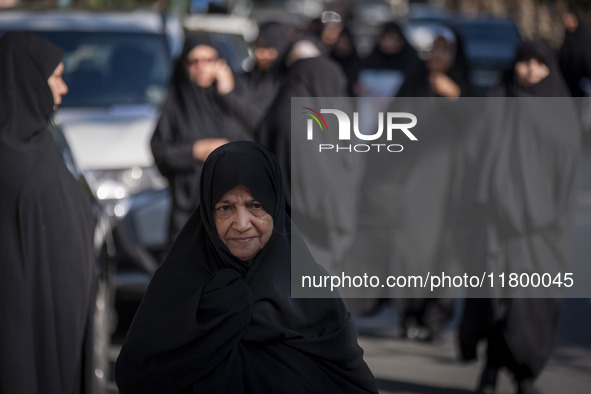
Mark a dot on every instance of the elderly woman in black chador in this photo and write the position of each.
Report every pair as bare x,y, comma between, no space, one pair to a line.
200,113
46,264
218,316
523,186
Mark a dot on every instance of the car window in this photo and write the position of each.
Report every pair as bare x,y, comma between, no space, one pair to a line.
104,69
490,32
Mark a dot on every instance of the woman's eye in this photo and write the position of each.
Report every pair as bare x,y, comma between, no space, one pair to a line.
223,209
256,206
257,209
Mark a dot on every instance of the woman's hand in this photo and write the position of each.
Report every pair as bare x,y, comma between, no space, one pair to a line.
203,147
443,85
224,78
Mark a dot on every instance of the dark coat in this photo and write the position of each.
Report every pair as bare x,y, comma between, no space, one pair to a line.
46,264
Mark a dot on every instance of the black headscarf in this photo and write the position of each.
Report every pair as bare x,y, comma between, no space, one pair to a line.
46,238
575,56
27,103
277,36
190,113
271,35
551,86
404,60
274,35
210,323
244,164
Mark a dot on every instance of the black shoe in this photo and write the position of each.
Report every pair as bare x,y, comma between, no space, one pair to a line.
526,386
488,381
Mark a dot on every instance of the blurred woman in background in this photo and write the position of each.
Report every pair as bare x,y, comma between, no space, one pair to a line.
428,178
47,271
196,118
391,62
526,183
345,54
258,87
445,72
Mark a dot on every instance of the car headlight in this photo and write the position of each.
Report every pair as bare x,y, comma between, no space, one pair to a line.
113,188
109,189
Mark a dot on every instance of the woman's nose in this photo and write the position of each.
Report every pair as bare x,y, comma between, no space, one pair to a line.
65,89
242,220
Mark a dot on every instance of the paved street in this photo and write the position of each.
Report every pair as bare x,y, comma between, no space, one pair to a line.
410,367
403,366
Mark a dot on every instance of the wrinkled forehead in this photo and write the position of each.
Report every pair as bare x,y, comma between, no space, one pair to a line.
233,168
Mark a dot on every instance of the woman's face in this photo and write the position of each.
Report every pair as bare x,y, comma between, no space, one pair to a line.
202,65
242,223
330,33
57,85
570,22
390,43
530,72
441,55
265,56
343,46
